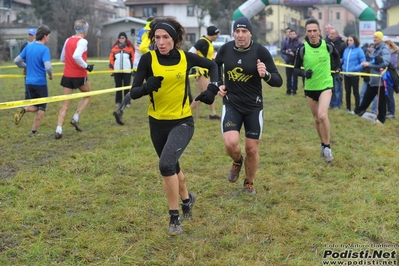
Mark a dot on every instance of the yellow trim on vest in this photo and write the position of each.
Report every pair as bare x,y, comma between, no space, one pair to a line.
209,55
171,101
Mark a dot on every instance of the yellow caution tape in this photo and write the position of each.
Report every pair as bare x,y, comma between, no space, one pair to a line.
8,105
342,72
58,63
21,103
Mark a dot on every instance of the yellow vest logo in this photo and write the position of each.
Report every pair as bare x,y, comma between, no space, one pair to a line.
237,75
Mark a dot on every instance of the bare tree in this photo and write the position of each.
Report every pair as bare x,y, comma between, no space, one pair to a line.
61,14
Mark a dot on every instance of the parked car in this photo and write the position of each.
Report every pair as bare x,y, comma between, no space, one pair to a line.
222,39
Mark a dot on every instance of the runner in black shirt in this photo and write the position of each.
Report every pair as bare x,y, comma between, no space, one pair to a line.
245,64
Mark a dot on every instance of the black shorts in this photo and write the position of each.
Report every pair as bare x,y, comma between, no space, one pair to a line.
37,91
315,95
232,119
73,83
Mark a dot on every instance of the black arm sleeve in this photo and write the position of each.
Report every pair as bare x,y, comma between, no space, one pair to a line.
335,55
298,61
196,60
139,88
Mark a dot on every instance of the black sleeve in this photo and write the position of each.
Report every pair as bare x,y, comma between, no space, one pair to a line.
335,55
196,60
300,51
219,63
144,71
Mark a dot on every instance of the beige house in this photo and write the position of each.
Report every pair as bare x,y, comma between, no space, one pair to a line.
392,15
187,14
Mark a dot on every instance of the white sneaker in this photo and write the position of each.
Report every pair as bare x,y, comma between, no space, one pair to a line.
327,154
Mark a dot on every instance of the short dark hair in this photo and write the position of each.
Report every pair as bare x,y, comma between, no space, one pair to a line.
42,31
293,31
312,21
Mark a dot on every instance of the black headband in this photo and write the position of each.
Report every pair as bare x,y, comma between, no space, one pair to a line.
165,25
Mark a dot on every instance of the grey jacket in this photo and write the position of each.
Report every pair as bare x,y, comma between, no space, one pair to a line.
379,58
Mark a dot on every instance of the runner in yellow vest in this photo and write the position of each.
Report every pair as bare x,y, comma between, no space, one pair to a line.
204,48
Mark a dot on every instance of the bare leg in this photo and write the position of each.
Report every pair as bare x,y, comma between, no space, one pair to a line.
251,161
320,115
182,186
38,119
64,107
85,101
171,187
231,141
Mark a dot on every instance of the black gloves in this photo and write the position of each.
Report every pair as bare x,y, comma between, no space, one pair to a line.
90,68
208,96
338,78
153,84
308,73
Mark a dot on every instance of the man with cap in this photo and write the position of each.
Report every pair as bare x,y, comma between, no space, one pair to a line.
204,48
379,59
31,39
245,64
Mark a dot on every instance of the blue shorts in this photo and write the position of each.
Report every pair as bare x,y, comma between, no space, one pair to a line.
35,92
73,83
232,119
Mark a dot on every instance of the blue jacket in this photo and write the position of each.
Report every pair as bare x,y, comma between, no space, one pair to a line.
291,45
352,58
379,58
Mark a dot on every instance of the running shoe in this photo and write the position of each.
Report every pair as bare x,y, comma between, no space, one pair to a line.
249,187
188,207
118,117
58,135
76,125
34,134
214,117
327,154
175,227
235,171
18,115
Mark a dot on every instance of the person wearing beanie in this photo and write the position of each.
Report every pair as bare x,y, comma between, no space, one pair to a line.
245,64
121,60
379,59
143,46
316,56
74,55
204,48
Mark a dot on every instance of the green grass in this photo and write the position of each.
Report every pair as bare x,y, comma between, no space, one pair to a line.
96,198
